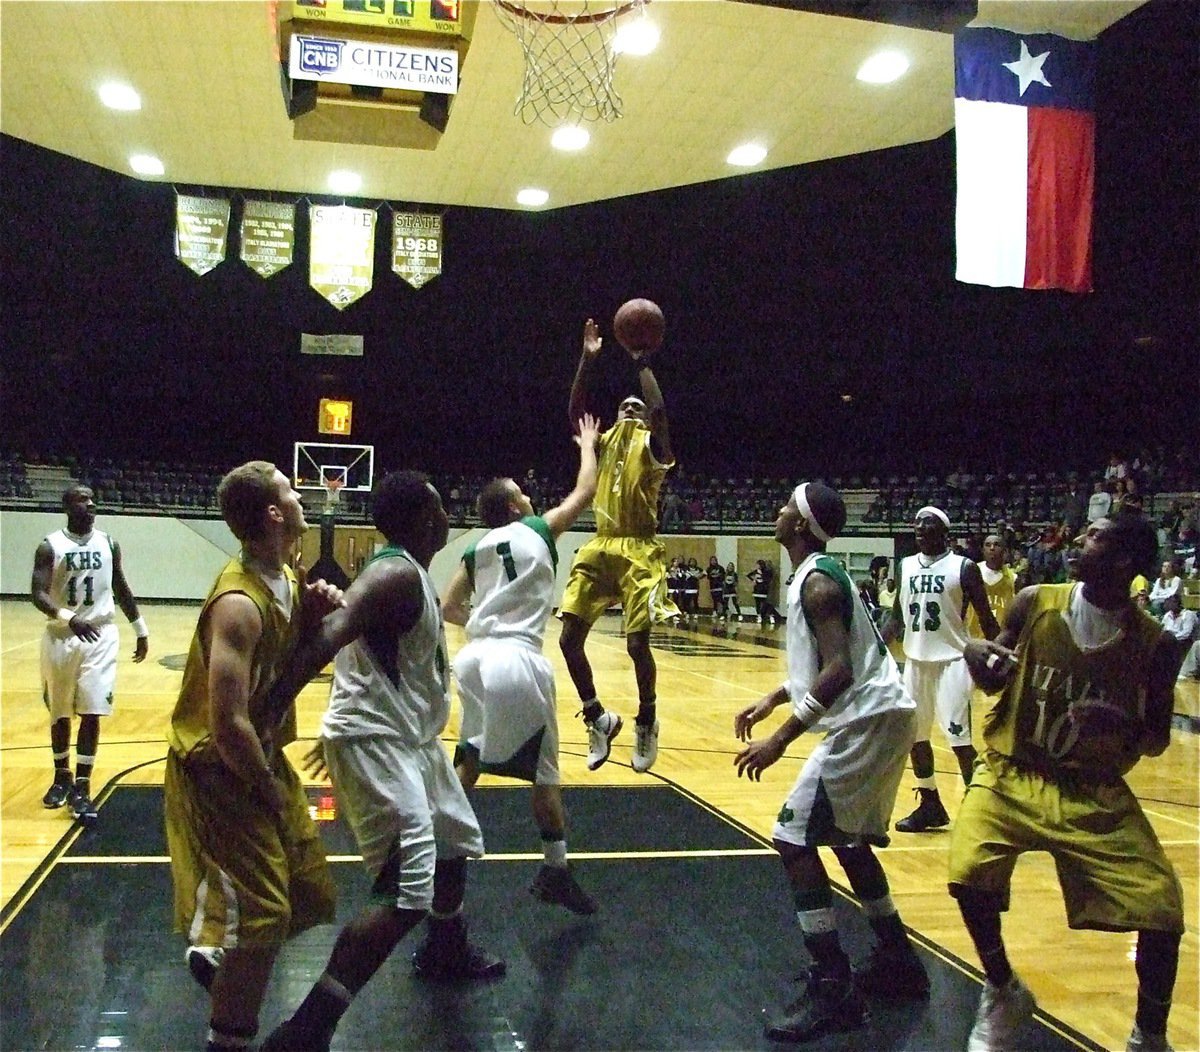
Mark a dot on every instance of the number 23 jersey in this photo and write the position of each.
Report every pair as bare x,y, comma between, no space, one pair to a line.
931,606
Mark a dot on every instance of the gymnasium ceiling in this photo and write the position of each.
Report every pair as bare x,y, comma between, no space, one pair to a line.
724,73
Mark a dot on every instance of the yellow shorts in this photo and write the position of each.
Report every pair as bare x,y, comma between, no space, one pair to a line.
1113,872
242,877
630,569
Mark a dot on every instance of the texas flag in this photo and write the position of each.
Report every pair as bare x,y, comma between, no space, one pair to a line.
1025,131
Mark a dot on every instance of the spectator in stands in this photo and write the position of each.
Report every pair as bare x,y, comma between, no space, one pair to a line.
672,511
1074,507
1117,468
1100,502
1181,625
1167,584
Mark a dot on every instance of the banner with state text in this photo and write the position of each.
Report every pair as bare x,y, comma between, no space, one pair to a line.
416,247
201,231
341,252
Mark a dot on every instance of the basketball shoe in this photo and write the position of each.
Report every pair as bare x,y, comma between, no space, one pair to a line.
645,746
557,886
203,962
827,1005
1003,1010
930,814
1140,1041
601,732
59,792
447,955
893,974
81,803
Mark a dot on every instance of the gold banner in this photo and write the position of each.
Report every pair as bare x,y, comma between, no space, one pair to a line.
341,252
417,16
201,228
416,247
268,236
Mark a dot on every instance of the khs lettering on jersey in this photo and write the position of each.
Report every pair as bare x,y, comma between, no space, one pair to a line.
83,561
927,584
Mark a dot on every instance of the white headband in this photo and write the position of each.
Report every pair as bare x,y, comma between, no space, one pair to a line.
937,513
814,527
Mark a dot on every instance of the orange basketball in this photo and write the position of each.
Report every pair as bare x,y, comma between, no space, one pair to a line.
639,326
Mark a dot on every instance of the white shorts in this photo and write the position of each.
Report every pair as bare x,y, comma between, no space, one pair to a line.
78,677
509,716
846,790
407,809
941,689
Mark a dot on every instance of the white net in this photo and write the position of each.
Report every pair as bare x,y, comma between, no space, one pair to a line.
569,57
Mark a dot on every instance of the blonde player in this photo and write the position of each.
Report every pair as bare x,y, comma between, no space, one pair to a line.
625,561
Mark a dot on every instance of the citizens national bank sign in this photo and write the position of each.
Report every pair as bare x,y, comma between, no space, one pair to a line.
373,65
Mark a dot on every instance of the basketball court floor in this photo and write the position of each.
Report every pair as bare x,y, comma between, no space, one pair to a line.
695,937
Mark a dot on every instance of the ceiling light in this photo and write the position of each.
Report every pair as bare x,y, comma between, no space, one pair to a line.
144,164
747,155
531,197
343,182
570,137
120,97
638,37
883,68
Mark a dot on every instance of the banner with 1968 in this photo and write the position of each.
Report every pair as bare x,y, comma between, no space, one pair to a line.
416,247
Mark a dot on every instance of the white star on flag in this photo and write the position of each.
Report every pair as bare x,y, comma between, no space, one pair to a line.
1028,68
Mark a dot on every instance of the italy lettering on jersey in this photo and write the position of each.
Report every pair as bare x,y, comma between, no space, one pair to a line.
81,578
876,685
413,709
1060,690
1001,589
628,481
512,570
931,606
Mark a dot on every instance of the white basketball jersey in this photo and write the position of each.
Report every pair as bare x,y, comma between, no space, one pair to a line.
876,686
365,702
82,577
512,571
931,605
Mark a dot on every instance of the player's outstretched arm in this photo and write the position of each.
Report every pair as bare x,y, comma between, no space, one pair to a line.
579,386
563,517
656,410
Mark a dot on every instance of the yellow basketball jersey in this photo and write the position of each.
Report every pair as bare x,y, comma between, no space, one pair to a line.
999,596
1059,688
628,482
191,722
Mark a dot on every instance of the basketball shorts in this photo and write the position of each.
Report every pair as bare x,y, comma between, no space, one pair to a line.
1113,872
407,809
242,876
631,570
509,717
78,677
941,689
846,790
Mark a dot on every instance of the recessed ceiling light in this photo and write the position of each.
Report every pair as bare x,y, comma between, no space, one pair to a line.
883,68
531,197
119,97
638,37
570,137
145,164
343,182
747,155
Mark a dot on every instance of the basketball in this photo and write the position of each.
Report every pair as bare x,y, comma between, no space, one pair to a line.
639,326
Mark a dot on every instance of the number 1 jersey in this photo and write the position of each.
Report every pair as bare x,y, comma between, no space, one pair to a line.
512,570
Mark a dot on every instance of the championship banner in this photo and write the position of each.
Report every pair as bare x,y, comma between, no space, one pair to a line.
422,16
341,256
201,227
331,343
268,236
416,247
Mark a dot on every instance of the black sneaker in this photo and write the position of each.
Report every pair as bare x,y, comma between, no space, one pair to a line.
58,793
893,975
446,955
82,806
930,814
288,1037
827,1006
203,962
557,886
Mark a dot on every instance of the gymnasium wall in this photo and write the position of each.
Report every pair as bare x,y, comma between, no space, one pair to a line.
178,559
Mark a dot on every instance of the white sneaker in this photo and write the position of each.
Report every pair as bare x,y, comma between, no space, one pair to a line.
1139,1042
645,747
601,733
1003,1010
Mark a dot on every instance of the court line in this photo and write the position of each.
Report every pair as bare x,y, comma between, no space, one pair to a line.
514,856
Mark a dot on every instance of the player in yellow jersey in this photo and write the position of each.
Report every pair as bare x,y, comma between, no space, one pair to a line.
999,584
625,560
1087,684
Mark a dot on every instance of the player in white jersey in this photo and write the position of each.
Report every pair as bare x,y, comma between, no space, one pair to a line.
936,586
841,680
394,780
78,583
503,592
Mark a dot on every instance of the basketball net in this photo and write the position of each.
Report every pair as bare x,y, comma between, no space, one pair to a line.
333,492
569,57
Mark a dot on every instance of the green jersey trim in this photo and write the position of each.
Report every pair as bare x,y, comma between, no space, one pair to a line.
542,528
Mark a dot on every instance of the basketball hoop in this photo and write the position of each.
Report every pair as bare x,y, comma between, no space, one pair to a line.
569,57
333,492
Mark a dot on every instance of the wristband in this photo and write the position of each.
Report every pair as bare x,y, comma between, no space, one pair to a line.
140,629
808,710
65,615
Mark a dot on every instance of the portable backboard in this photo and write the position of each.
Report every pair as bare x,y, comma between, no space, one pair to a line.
314,463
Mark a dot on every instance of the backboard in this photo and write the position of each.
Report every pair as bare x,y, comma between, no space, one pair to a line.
315,462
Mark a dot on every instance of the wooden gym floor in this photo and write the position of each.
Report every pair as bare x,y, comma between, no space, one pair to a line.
679,957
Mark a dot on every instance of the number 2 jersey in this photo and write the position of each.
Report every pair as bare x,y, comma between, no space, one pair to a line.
81,579
628,482
512,570
931,606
